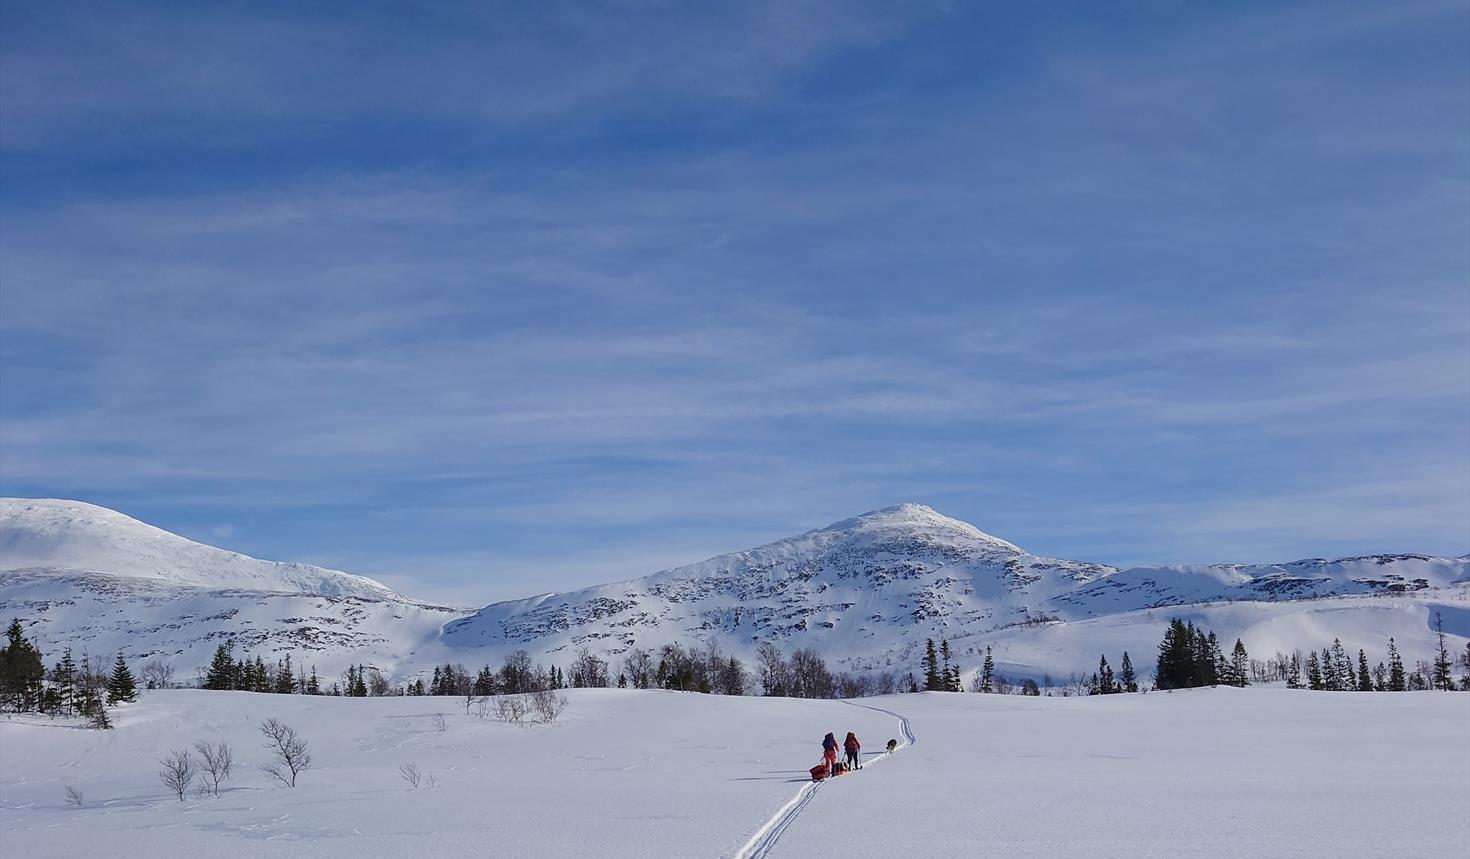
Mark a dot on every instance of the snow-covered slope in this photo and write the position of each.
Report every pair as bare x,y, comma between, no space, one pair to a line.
50,535
101,582
1215,773
866,593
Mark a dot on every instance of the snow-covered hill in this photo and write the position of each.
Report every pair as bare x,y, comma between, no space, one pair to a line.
864,592
54,536
101,582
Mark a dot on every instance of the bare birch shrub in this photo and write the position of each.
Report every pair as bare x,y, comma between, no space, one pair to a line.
411,773
548,704
292,755
216,760
178,772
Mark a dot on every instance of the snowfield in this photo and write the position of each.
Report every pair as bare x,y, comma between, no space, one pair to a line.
1211,772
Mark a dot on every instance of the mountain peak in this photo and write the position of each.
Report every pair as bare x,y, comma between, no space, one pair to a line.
917,518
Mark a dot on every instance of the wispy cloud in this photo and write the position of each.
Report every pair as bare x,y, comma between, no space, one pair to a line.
661,284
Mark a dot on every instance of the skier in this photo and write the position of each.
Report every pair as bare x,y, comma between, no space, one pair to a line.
829,752
854,749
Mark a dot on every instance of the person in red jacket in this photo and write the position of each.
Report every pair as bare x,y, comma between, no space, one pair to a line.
854,748
829,751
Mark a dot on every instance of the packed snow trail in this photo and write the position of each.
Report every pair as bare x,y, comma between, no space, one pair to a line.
760,844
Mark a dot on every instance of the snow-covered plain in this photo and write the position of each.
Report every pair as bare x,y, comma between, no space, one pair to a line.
1221,772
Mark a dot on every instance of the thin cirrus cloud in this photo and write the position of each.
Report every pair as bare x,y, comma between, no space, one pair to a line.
469,299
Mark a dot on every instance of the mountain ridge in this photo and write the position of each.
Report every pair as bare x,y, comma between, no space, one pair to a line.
865,591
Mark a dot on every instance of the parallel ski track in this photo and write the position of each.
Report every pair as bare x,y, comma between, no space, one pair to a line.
760,844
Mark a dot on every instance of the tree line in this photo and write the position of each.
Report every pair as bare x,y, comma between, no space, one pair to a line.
70,688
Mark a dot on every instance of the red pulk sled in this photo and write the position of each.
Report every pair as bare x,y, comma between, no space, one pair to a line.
820,772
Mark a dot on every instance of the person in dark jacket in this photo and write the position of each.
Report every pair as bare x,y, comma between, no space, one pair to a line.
829,751
854,750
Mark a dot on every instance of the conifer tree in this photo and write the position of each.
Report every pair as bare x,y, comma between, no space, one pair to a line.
932,681
314,685
1105,684
1380,678
120,687
64,676
1365,677
1396,679
1239,665
1215,661
1442,677
987,672
946,681
1126,678
1314,672
285,677
1294,671
622,680
1331,680
222,673
22,673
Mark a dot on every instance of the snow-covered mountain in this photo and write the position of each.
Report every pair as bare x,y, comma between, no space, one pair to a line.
865,592
102,582
70,537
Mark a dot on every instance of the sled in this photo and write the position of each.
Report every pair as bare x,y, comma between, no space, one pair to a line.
820,772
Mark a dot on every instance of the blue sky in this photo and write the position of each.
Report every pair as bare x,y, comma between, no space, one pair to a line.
493,299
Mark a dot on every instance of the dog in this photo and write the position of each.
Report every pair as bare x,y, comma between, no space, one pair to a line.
892,744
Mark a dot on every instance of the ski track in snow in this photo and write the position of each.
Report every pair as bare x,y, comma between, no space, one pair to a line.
760,844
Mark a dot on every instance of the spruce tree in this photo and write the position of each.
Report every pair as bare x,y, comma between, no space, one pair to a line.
22,673
64,676
1314,672
931,668
1442,678
1365,676
1239,666
1126,677
285,677
120,687
987,672
313,684
1396,679
1105,684
1215,663
1294,671
946,679
221,673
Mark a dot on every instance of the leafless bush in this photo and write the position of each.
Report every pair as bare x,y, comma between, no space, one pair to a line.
510,709
74,795
430,782
484,706
178,772
157,674
215,762
292,755
439,724
411,774
548,704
